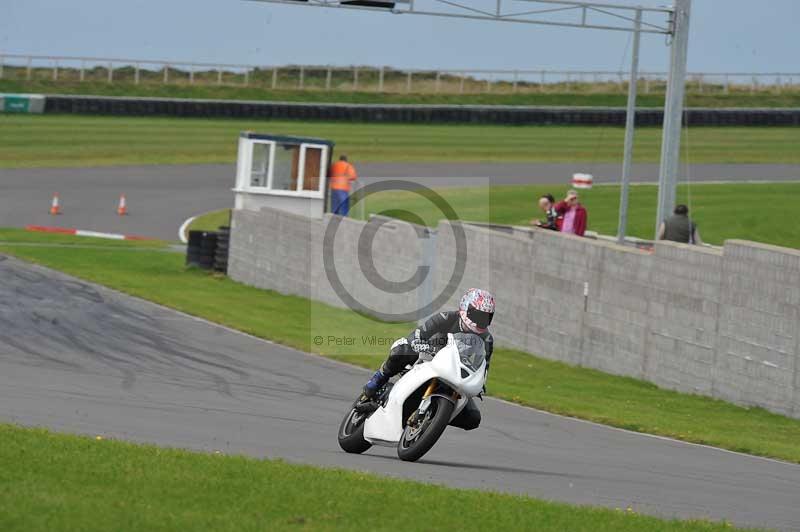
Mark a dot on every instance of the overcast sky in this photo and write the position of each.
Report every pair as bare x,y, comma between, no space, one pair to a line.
727,35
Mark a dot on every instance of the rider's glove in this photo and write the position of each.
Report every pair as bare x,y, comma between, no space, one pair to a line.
420,346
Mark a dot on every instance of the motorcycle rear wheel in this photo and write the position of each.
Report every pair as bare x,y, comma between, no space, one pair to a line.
351,432
416,441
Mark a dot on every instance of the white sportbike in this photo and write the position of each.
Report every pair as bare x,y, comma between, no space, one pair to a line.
413,412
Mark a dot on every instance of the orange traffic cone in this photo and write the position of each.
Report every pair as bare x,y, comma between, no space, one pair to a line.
55,207
122,209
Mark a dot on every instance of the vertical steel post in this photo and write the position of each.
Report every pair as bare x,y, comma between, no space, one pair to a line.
461,84
135,75
301,82
726,84
516,80
408,81
328,79
630,125
380,80
274,78
673,111
438,81
355,78
219,75
55,71
30,68
83,71
110,72
166,74
191,75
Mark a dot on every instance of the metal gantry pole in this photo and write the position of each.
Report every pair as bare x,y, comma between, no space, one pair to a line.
673,112
630,124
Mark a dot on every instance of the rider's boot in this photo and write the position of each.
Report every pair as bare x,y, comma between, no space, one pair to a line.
374,384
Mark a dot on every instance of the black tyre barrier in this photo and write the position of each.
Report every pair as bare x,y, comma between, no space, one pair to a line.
221,252
516,115
201,249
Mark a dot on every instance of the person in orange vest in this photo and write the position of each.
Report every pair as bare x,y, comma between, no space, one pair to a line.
341,176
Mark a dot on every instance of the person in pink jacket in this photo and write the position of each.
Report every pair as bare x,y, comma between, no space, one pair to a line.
573,214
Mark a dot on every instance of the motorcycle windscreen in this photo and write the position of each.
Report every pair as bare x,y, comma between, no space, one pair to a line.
471,350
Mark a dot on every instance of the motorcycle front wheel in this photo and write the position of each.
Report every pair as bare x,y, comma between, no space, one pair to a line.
418,438
351,432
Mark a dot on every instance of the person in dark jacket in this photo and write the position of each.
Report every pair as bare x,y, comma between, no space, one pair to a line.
551,221
680,228
474,315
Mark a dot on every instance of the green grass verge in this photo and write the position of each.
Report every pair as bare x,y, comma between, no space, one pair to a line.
210,221
516,376
749,211
74,140
589,96
722,211
58,482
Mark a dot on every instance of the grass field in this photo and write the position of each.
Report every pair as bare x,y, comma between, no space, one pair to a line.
722,211
210,221
746,211
72,140
587,95
57,482
516,376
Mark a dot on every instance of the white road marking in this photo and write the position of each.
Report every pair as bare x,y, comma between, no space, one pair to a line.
182,230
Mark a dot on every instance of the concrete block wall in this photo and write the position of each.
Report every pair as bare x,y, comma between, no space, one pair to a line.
282,251
759,327
723,323
682,317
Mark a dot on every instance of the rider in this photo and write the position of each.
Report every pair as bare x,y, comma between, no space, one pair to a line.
474,315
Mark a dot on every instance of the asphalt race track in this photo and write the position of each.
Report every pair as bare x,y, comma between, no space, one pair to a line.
80,358
160,198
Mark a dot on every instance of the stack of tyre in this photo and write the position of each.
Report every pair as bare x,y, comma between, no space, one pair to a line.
201,248
209,249
221,254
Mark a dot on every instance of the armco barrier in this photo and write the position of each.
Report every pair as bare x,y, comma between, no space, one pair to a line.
723,323
519,115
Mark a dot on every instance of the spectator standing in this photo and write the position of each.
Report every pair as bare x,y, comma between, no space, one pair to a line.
574,214
680,228
341,176
551,221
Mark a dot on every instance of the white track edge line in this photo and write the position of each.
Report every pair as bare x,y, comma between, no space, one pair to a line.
182,230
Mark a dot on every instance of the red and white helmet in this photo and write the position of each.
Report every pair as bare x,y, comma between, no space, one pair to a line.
476,310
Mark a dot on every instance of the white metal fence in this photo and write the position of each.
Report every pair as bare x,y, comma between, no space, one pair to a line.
28,67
